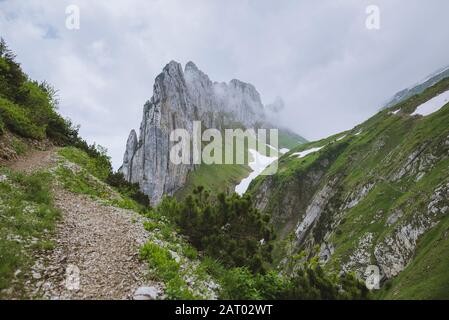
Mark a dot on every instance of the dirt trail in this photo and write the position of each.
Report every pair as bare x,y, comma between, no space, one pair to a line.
33,161
96,246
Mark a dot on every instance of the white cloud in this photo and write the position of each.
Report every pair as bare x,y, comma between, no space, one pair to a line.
331,71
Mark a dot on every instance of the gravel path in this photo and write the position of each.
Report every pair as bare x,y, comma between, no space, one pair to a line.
34,160
96,246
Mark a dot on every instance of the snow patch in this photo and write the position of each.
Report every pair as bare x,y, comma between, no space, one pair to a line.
432,105
258,165
341,138
304,153
271,147
395,112
284,150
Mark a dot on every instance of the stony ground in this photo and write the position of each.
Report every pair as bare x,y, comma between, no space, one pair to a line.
34,161
96,246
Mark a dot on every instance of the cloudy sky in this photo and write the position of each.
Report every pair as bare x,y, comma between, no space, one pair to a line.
319,56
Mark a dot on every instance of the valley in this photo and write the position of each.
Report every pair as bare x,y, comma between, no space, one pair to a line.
374,197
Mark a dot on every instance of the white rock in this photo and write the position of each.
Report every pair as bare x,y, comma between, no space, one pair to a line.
146,293
175,256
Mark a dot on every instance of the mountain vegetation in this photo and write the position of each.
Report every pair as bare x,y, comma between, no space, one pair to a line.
201,247
372,196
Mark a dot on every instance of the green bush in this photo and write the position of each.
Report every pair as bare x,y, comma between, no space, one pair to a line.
160,259
228,228
27,212
99,166
240,284
29,108
63,132
19,146
11,75
190,252
17,120
2,126
132,190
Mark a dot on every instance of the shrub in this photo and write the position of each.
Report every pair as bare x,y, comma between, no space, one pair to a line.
19,146
160,259
240,284
62,131
132,190
29,108
27,212
228,228
2,126
99,166
17,120
190,252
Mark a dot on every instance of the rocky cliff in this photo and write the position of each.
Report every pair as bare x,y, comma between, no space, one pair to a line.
179,98
376,195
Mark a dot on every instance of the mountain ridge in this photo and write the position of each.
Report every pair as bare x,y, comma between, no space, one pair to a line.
368,196
418,87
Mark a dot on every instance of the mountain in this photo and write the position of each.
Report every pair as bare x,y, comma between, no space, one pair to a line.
179,98
376,195
419,87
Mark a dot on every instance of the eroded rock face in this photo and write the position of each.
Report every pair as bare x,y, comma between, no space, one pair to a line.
314,210
179,98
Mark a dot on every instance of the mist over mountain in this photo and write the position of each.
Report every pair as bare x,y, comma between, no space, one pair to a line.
179,98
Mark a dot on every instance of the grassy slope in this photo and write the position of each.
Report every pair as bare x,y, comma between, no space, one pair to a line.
382,148
27,219
224,177
289,140
427,276
164,242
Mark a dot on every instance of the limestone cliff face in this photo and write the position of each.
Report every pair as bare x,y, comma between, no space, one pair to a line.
179,98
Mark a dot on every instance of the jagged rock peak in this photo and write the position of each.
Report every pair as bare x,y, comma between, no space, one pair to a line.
131,148
181,97
190,66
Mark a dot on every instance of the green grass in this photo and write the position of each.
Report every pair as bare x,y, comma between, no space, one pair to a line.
166,270
82,182
94,166
27,218
289,140
427,276
88,180
17,119
216,178
374,156
224,177
19,147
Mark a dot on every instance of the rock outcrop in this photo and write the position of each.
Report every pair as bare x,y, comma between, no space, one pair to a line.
179,98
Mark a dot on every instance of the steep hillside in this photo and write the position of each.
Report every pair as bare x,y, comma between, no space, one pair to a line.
375,195
71,228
